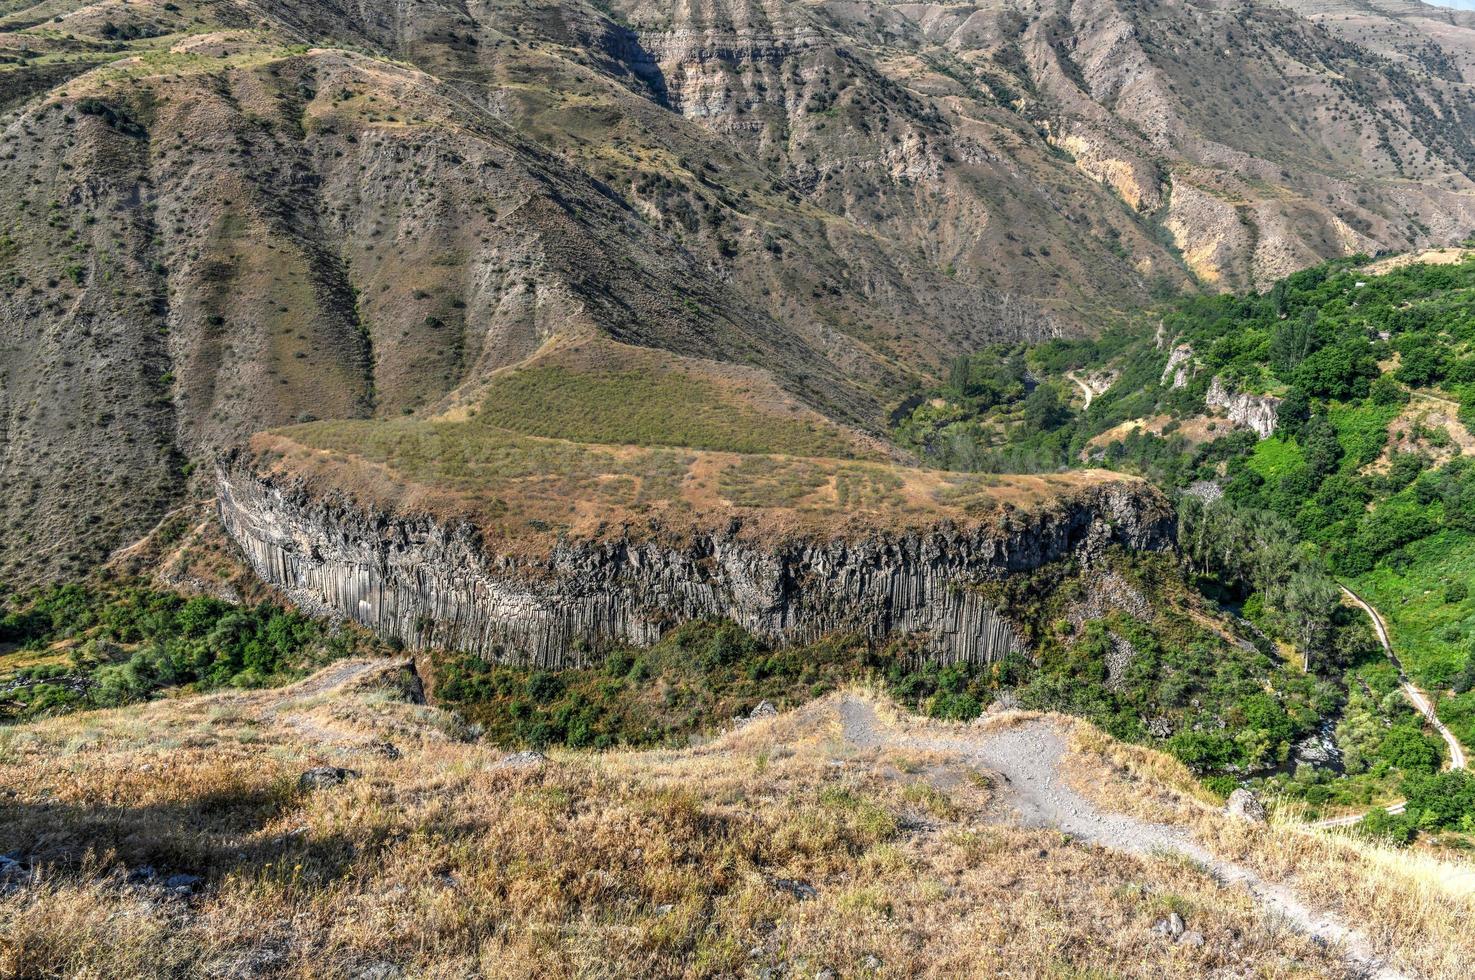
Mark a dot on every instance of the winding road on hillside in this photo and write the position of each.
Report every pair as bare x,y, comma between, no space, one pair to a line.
1416,697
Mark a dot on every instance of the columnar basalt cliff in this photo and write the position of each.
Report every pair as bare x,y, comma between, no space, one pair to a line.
431,584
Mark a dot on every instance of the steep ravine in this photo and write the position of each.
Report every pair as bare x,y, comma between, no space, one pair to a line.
427,584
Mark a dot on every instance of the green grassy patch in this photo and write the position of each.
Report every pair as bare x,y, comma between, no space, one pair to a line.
648,406
1274,458
1362,430
1432,635
1458,712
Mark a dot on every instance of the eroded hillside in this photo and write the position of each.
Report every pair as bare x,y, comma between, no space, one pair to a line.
224,217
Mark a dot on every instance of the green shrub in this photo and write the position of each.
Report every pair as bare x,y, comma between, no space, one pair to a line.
1410,750
1387,827
131,640
955,707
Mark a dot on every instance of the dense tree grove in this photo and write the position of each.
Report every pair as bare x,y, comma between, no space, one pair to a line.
125,641
1257,554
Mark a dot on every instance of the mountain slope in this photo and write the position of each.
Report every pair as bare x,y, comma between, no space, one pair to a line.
1316,435
226,216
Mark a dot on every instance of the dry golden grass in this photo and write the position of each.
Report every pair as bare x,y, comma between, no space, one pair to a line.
520,489
669,863
1417,903
1433,256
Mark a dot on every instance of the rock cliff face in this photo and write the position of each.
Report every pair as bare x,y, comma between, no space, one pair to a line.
428,583
1180,367
1256,412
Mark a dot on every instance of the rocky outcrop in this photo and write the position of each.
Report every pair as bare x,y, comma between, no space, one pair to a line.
276,211
1180,368
430,584
1256,412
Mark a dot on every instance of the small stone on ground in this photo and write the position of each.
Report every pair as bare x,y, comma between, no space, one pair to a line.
325,776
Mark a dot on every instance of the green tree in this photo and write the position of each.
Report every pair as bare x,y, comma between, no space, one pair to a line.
1292,341
1410,750
1042,410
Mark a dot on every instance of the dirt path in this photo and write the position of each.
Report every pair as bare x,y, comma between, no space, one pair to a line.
1085,389
1027,757
285,705
1415,696
335,676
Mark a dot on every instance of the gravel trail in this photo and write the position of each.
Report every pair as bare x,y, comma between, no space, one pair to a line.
1085,389
1027,757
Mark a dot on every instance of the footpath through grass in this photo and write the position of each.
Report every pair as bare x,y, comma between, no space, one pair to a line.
1425,599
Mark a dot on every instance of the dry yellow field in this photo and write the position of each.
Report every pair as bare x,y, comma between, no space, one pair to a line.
843,839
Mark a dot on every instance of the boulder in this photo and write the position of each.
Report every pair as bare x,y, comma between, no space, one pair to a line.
383,970
765,709
385,750
1172,926
802,890
12,873
182,884
1160,727
1244,805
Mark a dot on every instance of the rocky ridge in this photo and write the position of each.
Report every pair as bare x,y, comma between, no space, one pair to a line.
429,583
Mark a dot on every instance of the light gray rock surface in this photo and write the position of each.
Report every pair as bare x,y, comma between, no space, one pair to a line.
1246,806
1257,412
1180,367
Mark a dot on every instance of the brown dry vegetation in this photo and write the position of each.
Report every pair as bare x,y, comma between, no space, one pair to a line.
520,489
448,862
1427,424
1418,903
1197,430
1430,256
